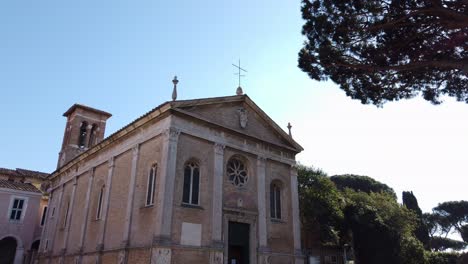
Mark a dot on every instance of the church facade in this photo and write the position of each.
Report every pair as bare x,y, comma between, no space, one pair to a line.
192,181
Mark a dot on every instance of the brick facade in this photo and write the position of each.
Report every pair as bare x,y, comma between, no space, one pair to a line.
205,132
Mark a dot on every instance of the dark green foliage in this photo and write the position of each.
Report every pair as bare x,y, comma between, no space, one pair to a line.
320,203
443,243
456,212
447,217
436,224
464,233
421,232
442,258
379,51
411,251
453,215
410,201
361,183
380,226
463,259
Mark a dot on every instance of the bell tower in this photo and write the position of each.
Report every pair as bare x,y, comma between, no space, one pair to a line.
85,128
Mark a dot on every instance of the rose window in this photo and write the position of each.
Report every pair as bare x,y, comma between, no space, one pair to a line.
237,172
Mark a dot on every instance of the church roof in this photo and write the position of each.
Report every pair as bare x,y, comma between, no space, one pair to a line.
87,108
23,173
175,106
27,187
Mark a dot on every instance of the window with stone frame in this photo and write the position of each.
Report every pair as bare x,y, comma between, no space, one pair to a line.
237,172
151,186
275,200
99,203
17,209
191,188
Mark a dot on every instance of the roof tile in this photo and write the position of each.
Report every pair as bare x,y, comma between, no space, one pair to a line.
27,187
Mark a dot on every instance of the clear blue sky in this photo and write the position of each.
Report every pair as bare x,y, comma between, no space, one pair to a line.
120,56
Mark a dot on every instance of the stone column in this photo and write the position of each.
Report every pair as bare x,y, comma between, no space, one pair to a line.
108,189
299,259
263,249
88,135
84,222
161,253
19,255
216,256
128,214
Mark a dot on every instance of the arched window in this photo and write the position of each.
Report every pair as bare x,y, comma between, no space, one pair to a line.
151,185
92,136
82,136
99,203
191,183
237,172
275,201
65,216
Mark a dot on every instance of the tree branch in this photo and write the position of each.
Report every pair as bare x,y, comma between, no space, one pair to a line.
445,64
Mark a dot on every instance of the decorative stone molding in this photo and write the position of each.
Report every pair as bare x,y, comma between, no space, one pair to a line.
237,172
125,243
111,162
161,241
264,250
122,257
91,172
243,118
135,150
217,244
172,133
161,256
216,257
219,148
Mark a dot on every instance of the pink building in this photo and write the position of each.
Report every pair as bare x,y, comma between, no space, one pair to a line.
22,215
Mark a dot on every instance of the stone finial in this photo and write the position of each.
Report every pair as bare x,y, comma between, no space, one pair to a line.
174,91
239,91
289,128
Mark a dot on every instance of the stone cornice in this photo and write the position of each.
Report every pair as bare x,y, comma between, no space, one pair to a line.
168,108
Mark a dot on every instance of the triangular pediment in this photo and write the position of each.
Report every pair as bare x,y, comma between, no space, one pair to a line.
238,113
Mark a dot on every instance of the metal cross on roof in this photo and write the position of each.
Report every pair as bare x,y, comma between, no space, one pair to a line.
239,71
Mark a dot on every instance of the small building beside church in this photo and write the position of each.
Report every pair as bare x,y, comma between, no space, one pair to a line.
209,180
23,205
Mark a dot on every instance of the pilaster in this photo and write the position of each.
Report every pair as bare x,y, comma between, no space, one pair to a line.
128,214
70,214
84,222
162,234
263,249
58,207
108,188
217,199
295,216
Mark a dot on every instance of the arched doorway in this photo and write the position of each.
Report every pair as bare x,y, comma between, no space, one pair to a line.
33,253
7,250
